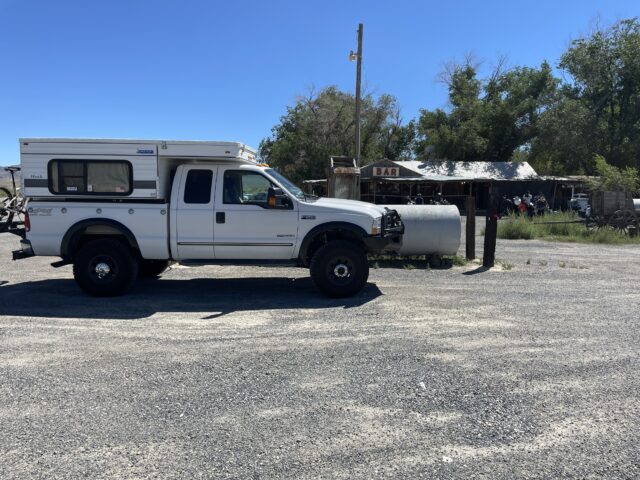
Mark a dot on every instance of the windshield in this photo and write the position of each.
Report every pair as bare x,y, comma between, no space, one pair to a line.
286,183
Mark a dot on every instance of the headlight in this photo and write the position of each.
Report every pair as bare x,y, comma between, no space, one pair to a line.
376,227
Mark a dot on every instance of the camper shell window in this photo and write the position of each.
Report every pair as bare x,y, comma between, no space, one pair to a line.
90,177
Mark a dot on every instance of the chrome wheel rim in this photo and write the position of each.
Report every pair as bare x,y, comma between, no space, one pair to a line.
103,268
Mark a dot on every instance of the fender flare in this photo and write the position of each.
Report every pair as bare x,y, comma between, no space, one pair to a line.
70,239
329,227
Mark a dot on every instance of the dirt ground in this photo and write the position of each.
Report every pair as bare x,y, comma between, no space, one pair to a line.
529,370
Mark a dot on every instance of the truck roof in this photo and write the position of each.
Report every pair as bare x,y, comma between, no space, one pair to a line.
169,148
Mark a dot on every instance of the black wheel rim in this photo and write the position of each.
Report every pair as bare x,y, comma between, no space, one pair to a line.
340,270
103,269
622,221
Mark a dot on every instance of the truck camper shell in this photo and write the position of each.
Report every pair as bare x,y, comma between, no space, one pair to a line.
124,169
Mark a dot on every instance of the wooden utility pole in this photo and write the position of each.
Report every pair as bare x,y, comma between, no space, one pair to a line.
358,81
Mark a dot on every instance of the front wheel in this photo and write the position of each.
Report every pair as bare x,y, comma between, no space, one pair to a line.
105,268
339,269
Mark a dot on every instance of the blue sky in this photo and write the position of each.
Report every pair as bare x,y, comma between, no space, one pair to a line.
227,70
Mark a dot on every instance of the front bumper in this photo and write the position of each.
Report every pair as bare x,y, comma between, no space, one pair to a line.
392,223
377,243
25,251
392,230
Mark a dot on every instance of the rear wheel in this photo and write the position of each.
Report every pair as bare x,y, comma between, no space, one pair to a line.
152,268
105,268
595,223
624,221
339,269
5,195
5,203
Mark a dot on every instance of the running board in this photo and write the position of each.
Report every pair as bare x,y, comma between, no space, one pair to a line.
243,262
60,263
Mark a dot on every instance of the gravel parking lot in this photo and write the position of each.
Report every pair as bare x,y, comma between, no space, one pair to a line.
525,371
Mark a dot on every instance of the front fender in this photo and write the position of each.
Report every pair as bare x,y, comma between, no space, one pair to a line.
344,228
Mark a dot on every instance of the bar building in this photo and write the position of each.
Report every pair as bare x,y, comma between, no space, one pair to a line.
396,182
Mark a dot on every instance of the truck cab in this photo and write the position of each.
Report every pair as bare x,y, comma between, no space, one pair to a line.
208,203
232,211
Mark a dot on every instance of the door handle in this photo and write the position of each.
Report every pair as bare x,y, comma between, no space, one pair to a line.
220,217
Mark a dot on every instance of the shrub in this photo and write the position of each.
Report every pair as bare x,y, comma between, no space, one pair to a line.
516,227
569,228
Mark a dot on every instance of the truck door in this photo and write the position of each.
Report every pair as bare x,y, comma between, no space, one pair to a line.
194,213
245,226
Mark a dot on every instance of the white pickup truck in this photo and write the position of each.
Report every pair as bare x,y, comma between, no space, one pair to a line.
120,209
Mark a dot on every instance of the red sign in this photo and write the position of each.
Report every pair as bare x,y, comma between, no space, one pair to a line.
386,171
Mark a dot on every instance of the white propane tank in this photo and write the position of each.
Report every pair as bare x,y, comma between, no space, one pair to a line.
636,205
428,229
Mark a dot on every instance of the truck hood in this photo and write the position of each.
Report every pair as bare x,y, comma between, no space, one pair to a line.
346,206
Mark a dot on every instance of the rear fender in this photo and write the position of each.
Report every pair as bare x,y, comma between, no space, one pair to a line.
95,227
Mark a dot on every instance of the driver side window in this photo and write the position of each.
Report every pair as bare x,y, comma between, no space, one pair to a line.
240,187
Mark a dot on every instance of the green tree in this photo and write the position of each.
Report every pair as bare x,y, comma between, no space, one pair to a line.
598,109
606,73
562,146
457,134
610,177
489,119
322,125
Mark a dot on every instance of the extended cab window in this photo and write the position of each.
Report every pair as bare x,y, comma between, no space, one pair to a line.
198,186
245,187
90,177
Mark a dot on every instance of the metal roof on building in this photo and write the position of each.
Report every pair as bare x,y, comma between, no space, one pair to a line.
446,170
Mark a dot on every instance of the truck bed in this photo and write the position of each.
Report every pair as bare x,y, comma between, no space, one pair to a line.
147,221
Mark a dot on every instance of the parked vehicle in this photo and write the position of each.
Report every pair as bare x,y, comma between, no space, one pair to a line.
580,203
614,209
119,209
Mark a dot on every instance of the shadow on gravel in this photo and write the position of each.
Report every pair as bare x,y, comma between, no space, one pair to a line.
419,262
475,271
214,297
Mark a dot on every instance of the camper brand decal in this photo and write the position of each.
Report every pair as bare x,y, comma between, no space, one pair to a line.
40,212
143,151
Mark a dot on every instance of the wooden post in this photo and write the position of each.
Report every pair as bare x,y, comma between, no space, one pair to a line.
553,198
491,230
471,228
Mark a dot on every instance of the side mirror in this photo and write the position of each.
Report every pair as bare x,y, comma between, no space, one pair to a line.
276,198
